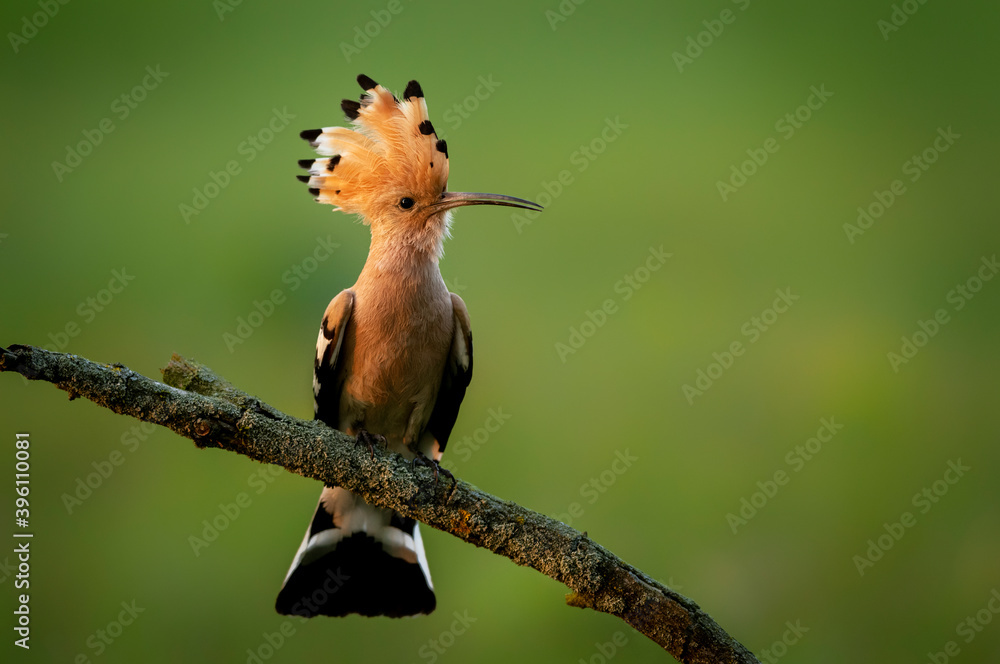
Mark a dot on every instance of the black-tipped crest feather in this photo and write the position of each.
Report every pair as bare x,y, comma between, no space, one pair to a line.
413,89
350,108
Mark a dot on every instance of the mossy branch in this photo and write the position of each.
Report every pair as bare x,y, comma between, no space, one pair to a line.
197,404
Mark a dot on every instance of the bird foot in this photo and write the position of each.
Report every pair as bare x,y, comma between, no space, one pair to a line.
371,440
422,460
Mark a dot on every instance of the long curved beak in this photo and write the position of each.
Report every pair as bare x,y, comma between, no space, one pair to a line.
452,199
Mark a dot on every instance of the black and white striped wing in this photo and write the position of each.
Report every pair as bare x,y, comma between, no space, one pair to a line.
326,390
456,378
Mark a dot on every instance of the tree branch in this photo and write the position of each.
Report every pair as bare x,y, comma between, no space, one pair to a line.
199,405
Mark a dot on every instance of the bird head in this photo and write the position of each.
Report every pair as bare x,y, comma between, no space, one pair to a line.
391,168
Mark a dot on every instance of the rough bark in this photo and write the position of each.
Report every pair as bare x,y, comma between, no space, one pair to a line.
197,404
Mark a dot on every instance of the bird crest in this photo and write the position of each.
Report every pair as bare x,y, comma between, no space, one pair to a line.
390,149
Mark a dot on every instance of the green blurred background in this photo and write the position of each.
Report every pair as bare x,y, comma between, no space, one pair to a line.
553,86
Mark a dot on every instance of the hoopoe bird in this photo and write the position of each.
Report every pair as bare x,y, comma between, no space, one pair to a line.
394,352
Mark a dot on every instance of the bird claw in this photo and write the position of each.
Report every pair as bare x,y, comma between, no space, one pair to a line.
421,459
370,439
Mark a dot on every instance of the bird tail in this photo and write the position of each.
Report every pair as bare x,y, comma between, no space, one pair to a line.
356,558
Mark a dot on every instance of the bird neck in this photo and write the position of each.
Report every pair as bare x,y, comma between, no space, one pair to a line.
412,258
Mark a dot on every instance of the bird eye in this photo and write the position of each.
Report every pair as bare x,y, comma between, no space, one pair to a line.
406,203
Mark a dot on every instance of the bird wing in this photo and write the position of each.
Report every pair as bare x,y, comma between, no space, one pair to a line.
456,377
326,394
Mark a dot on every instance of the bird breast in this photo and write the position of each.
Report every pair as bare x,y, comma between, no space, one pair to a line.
396,345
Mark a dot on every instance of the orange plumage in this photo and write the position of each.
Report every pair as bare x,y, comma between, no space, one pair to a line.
392,149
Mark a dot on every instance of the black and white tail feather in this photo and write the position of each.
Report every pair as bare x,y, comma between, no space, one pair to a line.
356,558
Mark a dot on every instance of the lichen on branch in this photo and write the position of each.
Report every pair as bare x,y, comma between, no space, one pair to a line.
195,403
